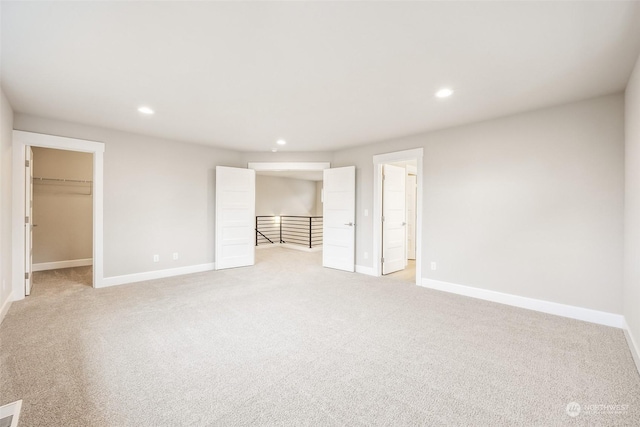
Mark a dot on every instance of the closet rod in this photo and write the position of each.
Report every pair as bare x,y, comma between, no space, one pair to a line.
83,181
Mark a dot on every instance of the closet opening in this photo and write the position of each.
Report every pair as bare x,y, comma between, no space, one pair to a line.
62,220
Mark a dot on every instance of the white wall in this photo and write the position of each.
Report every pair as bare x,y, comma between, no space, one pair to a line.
631,308
6,130
62,211
285,196
529,205
285,156
158,196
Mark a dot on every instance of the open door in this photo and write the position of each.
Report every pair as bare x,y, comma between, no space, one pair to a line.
235,217
28,220
339,211
412,185
394,237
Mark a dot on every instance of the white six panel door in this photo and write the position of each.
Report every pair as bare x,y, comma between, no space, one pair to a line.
235,217
394,237
339,210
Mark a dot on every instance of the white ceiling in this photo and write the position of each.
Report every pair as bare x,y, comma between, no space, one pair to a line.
322,75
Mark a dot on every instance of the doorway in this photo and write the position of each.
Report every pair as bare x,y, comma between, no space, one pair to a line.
399,220
290,215
397,230
22,222
62,211
235,207
289,210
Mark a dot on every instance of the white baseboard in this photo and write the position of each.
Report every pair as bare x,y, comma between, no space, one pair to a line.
633,345
301,248
570,311
157,274
370,271
42,266
6,304
289,246
268,245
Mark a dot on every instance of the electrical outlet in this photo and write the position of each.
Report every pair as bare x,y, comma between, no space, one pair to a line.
366,255
175,256
366,212
156,258
433,265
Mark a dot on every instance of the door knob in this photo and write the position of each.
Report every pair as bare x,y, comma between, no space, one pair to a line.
404,223
350,224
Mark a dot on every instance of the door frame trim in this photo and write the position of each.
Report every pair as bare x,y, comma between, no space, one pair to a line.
288,166
22,139
379,160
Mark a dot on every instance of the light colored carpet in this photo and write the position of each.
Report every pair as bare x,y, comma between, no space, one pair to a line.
406,275
288,343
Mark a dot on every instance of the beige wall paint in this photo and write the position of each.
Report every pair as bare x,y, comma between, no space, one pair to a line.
529,205
285,196
159,196
631,308
6,131
62,211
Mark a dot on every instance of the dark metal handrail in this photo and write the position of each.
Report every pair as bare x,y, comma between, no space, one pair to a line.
292,229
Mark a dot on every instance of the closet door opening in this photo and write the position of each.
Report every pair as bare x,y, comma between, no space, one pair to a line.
23,143
61,226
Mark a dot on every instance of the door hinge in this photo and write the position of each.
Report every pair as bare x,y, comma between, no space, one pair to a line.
26,276
26,220
26,163
383,218
381,259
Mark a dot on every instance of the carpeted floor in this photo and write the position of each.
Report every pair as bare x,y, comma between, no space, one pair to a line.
288,343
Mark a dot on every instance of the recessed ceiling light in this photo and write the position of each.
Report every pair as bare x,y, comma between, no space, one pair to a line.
274,150
444,93
145,110
281,142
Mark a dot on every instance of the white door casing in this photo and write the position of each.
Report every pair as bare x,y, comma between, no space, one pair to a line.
379,160
23,139
235,217
339,203
411,216
394,228
28,221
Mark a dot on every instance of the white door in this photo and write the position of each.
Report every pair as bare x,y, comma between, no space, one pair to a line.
235,217
339,211
28,220
412,195
394,237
